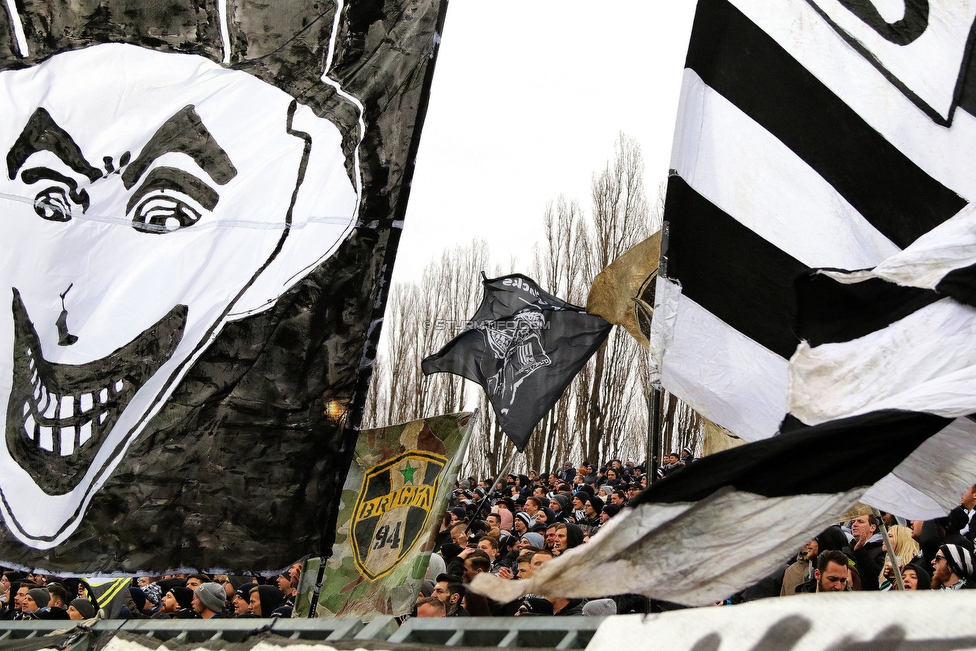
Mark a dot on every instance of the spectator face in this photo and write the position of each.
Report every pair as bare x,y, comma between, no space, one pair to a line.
589,511
143,581
295,573
519,526
554,505
197,605
811,549
284,584
240,605
538,560
910,579
193,583
833,578
74,614
486,547
560,543
170,604
604,517
27,604
531,508
524,570
19,598
917,529
494,521
616,499
611,474
442,593
550,538
861,527
539,492
942,572
969,498
577,503
255,603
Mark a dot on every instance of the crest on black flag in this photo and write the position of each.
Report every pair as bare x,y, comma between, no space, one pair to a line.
393,509
517,345
524,346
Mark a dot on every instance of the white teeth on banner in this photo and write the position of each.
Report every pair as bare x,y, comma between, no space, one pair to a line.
67,406
59,413
67,441
46,439
85,432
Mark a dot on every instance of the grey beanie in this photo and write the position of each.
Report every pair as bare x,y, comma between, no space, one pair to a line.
212,595
84,607
534,539
41,596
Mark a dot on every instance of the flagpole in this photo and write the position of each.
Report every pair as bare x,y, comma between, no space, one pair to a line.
654,407
890,549
492,490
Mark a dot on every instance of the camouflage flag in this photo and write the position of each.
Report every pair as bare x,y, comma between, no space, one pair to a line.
623,293
396,490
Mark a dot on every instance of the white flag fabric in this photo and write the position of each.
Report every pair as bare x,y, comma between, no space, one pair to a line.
728,520
820,254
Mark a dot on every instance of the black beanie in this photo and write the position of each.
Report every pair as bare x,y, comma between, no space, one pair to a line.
184,596
596,503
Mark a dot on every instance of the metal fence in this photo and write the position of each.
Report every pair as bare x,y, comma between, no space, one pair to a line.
500,632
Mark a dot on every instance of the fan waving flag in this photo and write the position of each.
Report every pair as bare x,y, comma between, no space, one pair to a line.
524,347
728,520
812,137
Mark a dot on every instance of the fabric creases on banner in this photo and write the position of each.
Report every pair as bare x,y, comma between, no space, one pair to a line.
820,249
523,346
397,489
196,239
721,524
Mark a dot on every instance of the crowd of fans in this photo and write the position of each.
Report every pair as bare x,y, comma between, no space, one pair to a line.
172,596
512,528
530,519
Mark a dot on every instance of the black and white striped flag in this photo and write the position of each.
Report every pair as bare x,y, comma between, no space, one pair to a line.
812,137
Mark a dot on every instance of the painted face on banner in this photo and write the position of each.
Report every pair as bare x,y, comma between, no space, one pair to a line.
147,198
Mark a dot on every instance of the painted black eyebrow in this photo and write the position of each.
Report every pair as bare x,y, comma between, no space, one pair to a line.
183,133
42,133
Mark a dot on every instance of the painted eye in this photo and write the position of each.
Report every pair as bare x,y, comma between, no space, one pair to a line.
53,204
161,213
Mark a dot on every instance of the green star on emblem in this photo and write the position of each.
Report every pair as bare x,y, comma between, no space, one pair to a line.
407,472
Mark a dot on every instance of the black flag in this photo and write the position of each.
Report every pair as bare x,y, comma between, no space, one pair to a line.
524,347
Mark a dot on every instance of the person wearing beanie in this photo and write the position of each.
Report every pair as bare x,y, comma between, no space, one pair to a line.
209,600
265,599
35,599
242,600
591,512
80,608
176,603
915,577
608,512
533,540
522,522
953,568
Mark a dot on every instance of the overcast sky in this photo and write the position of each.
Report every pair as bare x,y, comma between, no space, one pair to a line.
527,100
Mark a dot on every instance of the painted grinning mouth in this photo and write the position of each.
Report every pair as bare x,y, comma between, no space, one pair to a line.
58,415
